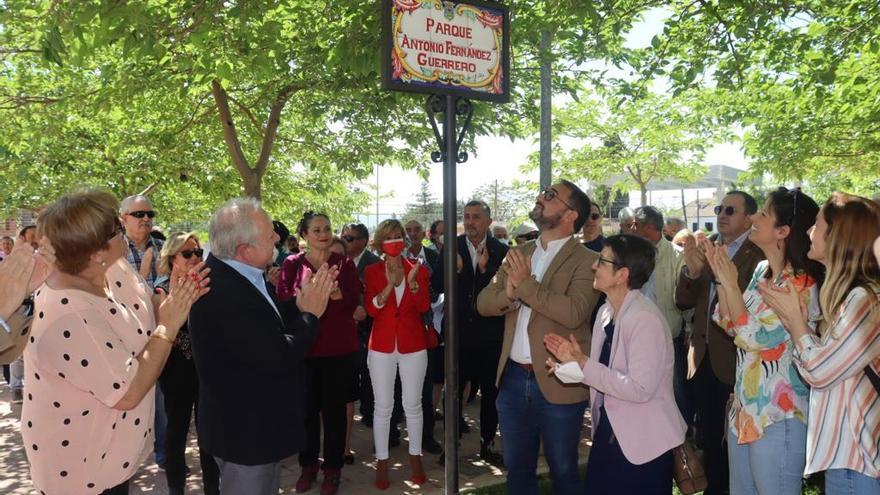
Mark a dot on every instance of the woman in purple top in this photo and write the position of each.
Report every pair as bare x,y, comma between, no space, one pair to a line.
330,363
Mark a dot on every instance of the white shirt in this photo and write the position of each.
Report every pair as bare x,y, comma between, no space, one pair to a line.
521,350
357,259
398,294
420,256
473,250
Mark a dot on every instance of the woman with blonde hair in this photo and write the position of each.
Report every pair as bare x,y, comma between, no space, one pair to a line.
179,382
844,414
95,352
396,296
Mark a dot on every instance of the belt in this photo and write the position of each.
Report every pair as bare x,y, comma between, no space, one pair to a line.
528,367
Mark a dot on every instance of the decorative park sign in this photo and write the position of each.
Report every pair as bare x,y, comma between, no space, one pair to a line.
445,47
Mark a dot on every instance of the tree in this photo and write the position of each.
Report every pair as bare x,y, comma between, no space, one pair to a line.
507,202
425,208
632,142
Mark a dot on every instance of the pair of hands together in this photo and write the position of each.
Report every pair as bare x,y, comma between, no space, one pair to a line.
22,271
482,259
563,351
517,267
313,296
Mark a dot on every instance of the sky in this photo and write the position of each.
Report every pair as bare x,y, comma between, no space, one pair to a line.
500,158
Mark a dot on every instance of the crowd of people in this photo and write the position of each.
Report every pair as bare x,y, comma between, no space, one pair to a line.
760,344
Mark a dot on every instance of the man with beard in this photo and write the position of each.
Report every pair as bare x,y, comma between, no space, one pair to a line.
543,287
479,257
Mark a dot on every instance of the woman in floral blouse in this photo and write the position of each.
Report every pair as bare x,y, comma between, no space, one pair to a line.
767,430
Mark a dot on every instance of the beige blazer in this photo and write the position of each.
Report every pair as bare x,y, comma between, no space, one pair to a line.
561,303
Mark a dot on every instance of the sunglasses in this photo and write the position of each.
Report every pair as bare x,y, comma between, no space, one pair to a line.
142,214
595,216
190,252
550,194
603,259
350,238
728,210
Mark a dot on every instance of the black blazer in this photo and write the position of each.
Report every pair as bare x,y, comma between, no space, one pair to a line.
367,259
250,367
475,330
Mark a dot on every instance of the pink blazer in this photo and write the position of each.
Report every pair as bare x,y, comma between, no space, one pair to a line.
637,384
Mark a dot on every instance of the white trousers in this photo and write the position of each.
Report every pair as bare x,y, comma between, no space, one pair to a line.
383,370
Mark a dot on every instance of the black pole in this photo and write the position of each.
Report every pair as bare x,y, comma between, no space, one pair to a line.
450,281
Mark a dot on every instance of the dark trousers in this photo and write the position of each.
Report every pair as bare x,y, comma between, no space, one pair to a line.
710,398
120,489
481,364
328,390
180,384
679,379
609,471
365,385
527,419
428,396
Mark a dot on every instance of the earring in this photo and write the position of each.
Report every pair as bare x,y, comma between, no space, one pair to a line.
103,263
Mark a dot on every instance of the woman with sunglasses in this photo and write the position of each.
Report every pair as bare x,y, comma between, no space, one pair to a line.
330,364
179,381
636,422
844,413
96,349
767,434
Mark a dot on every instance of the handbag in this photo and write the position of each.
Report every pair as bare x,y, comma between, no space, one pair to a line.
687,470
431,340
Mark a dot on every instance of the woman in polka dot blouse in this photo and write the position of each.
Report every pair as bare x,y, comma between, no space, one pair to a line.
96,350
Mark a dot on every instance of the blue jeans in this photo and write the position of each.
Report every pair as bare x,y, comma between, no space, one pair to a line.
771,465
527,418
161,425
849,482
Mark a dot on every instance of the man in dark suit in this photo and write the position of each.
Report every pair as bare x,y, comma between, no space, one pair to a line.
356,237
249,353
479,257
711,375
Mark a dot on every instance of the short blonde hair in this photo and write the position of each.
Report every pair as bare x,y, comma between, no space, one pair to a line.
384,231
170,249
78,225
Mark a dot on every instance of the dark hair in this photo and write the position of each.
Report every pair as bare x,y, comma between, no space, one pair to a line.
306,220
481,203
581,203
798,211
434,225
157,234
751,204
282,231
25,230
360,228
650,216
635,253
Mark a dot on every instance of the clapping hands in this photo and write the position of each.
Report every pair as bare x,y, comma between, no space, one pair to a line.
312,297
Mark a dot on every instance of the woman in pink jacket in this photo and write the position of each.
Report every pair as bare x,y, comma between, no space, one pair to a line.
636,423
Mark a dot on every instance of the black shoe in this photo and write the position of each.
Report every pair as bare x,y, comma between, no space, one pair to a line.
367,421
463,427
348,459
394,439
490,456
431,446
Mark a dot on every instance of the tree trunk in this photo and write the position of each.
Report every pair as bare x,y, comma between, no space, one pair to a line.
251,177
546,101
643,188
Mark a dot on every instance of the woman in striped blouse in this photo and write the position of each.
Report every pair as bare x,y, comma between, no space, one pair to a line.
844,415
767,423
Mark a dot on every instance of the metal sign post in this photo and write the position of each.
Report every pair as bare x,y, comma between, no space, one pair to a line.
450,145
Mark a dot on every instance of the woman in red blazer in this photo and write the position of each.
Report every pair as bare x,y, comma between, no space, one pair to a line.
397,298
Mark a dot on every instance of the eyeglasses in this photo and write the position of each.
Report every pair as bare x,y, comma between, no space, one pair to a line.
142,214
728,210
190,252
603,259
350,238
595,216
551,193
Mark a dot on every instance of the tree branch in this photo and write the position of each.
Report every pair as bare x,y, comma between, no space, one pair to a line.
272,126
230,135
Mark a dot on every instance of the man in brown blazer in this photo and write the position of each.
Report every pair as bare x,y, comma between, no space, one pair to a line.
712,374
544,286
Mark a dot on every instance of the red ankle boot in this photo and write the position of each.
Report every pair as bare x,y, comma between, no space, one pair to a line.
308,476
332,478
